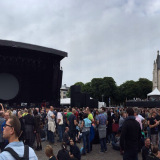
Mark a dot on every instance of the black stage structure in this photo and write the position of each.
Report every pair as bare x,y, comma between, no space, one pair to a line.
80,100
29,73
143,104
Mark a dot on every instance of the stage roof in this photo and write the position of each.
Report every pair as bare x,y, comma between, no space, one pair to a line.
19,45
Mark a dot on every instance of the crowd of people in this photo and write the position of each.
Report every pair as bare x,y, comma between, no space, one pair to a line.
127,130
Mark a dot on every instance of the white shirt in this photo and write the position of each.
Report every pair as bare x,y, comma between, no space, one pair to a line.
49,116
59,116
141,117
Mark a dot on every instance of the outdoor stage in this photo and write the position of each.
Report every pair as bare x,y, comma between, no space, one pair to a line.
29,73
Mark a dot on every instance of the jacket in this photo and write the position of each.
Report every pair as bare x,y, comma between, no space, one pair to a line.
130,135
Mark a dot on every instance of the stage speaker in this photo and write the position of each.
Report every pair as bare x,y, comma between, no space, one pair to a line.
93,103
87,99
75,89
76,100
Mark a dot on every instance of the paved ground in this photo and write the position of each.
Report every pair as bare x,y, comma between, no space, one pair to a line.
94,155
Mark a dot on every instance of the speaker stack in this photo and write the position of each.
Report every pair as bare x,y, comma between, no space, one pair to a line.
81,100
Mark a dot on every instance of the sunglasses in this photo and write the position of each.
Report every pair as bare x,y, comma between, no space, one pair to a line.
7,125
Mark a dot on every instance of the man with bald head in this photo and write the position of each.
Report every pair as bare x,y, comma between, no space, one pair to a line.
51,125
72,122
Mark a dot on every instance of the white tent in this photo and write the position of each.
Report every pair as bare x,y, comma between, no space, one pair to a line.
65,101
155,92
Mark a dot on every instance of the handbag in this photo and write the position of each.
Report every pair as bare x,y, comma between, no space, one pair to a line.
115,127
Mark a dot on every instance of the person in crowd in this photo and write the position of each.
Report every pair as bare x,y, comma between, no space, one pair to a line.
37,129
21,137
80,116
86,125
11,132
90,116
43,115
104,112
63,154
137,117
122,119
116,143
49,152
29,128
72,122
130,136
60,125
1,132
140,115
74,150
102,122
146,150
25,112
96,115
158,119
2,108
148,128
76,114
154,155
69,112
92,135
66,137
51,125
153,124
7,114
115,125
109,127
65,118
143,114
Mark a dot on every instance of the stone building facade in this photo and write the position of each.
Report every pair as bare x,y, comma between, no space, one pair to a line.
63,91
156,72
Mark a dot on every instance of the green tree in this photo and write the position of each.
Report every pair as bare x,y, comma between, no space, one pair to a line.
87,88
129,89
105,87
145,87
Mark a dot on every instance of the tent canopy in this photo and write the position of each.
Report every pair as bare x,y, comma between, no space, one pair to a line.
65,101
155,92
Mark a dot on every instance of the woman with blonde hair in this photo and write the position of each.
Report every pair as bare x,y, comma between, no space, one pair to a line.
49,152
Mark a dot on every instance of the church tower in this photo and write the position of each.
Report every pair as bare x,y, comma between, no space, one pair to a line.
156,73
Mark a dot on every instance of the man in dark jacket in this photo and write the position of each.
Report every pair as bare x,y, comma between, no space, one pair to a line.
130,136
146,150
74,150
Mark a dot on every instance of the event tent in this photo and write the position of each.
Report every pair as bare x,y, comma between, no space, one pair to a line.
65,101
155,92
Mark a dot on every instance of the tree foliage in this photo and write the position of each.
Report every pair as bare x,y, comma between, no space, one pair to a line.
106,88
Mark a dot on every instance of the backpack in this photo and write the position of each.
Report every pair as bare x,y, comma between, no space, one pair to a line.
16,156
87,122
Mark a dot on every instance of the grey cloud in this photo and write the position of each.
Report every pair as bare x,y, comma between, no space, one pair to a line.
103,38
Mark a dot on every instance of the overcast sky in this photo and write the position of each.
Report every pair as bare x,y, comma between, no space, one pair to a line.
103,38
